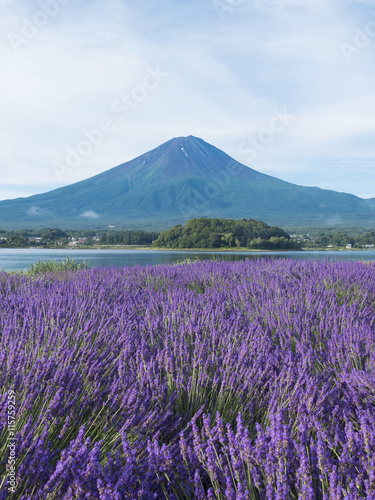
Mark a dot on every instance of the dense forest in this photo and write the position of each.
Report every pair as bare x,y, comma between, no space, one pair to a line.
128,238
219,233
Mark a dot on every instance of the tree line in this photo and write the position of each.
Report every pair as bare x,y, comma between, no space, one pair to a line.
196,233
128,238
338,239
46,238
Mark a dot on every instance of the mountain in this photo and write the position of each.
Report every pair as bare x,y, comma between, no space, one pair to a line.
181,179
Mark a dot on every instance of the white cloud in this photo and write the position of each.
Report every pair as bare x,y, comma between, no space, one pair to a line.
90,214
34,210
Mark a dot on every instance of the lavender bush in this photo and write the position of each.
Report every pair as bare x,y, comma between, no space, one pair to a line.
208,380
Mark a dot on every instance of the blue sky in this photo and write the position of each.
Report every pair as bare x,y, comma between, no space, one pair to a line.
284,86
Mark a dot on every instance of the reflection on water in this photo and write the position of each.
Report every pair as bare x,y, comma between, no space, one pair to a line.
20,258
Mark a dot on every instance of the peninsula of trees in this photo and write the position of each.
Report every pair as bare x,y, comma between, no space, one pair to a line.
224,233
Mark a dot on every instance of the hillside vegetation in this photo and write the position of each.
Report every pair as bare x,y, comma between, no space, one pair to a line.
224,233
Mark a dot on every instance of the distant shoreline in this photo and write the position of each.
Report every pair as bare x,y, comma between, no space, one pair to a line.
192,250
138,247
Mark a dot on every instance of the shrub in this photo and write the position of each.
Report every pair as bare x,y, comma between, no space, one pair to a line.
52,266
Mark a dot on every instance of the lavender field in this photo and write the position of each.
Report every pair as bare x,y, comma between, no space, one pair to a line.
208,380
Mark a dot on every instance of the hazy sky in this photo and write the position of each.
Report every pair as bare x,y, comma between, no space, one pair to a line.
284,86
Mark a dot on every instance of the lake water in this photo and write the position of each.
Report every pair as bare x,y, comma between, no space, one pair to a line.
21,258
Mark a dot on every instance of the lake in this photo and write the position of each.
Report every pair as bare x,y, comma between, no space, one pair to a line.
20,258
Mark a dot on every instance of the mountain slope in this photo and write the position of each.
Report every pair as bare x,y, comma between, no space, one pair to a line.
184,178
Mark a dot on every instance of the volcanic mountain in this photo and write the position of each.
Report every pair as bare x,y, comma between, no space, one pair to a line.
181,179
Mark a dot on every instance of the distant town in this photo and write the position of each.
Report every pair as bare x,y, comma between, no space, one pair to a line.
365,240
54,238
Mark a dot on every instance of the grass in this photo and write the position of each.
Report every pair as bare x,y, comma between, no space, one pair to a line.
51,266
